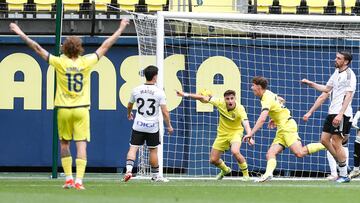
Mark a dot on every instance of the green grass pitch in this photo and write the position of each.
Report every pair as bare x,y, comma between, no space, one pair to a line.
39,189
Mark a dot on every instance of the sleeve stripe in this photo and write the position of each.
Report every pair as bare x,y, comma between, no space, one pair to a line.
264,109
97,55
48,58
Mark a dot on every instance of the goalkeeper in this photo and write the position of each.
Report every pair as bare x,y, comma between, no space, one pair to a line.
286,134
233,119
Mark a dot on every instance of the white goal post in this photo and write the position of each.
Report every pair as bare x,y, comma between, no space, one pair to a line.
218,51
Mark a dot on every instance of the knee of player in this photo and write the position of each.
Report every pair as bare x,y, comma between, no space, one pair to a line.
235,152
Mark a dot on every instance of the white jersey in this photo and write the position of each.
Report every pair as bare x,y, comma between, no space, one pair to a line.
341,82
148,99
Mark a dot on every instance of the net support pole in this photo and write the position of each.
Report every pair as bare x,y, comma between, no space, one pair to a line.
55,147
160,81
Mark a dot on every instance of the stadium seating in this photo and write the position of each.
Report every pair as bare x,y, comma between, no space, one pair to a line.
155,5
44,5
16,5
317,6
263,6
289,6
348,5
72,5
128,4
100,5
212,6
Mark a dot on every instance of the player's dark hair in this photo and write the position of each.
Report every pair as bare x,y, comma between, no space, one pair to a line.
150,72
229,92
347,56
72,47
258,80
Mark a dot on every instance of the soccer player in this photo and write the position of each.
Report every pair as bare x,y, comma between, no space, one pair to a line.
356,171
342,83
332,162
149,101
286,134
72,97
233,119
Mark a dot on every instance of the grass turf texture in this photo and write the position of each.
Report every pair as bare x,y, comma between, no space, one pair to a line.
39,190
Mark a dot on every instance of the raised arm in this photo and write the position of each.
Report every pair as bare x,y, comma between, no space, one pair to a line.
320,100
31,43
202,98
318,87
166,116
105,46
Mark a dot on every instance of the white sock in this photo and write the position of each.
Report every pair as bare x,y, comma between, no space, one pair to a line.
69,178
332,163
343,171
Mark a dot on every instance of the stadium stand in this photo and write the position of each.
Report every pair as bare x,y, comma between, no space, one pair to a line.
289,6
155,5
16,5
128,4
263,6
44,5
100,5
317,6
72,5
212,6
344,9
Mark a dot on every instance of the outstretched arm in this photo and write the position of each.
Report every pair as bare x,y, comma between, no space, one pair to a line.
105,46
258,125
318,87
320,100
31,43
202,98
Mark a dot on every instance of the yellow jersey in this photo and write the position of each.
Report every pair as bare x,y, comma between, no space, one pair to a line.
277,111
73,79
229,121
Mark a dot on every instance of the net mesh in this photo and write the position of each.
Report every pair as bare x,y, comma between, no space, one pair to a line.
218,55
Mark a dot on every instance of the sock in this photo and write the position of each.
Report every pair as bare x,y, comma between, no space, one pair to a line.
342,168
244,169
155,171
270,167
66,163
315,147
222,166
357,152
332,163
129,165
346,149
80,170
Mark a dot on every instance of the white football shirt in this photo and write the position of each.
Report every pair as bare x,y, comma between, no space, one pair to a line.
341,82
148,99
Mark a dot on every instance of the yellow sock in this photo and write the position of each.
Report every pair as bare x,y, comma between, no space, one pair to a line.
222,166
244,169
270,167
315,147
80,168
67,165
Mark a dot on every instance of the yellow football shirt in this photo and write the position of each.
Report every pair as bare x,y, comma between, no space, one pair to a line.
229,121
73,79
277,111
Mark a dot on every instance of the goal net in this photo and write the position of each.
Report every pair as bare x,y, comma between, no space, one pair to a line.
225,51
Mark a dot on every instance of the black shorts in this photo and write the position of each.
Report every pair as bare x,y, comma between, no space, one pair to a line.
139,138
343,129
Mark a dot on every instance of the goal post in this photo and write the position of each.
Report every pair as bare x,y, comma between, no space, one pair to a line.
216,51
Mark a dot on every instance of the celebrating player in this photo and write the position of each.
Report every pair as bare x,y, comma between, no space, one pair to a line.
149,99
286,134
73,96
342,83
233,119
